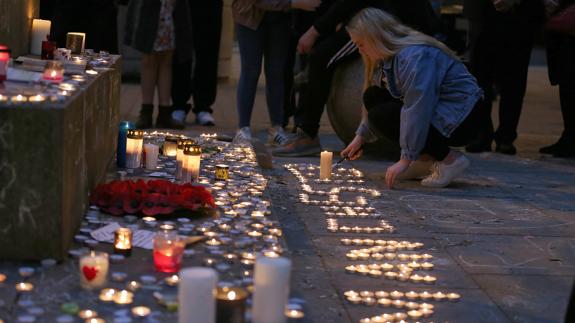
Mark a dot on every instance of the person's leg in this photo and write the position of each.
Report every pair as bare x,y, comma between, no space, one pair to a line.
512,81
250,43
148,79
164,89
316,91
207,28
181,90
567,100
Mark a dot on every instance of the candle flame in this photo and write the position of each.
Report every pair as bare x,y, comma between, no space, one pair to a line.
231,295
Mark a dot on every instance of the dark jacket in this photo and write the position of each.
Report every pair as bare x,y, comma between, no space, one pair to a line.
561,54
142,26
417,14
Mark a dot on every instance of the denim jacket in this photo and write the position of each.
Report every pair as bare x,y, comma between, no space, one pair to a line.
435,89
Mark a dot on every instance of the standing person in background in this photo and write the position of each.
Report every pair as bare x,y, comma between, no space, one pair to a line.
561,67
198,77
158,28
263,32
327,44
501,37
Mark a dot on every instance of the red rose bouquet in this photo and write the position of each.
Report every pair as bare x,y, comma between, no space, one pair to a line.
150,198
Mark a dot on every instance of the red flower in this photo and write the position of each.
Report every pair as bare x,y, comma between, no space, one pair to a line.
133,202
155,203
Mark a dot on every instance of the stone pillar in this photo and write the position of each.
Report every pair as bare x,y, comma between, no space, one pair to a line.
15,24
226,42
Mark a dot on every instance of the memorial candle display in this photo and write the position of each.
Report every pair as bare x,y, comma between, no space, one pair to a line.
123,241
271,282
40,32
231,305
325,165
53,71
170,147
168,250
134,141
191,163
180,156
75,42
196,302
4,59
93,269
151,152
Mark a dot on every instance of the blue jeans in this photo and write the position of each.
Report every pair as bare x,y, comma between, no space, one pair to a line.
270,40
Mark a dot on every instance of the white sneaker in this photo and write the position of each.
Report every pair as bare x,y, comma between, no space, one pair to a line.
205,118
277,136
442,174
417,169
243,136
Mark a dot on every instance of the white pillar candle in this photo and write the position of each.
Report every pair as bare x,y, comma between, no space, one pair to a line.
271,282
325,165
134,141
191,163
151,156
40,32
94,269
196,295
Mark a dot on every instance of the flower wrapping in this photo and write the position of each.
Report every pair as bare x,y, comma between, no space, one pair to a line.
154,197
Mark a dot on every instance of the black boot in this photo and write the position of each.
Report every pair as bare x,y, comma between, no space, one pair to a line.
145,118
164,119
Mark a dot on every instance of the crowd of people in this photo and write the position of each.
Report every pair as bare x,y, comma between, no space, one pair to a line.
426,100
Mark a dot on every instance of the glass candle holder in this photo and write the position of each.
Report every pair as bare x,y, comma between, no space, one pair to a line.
168,251
222,172
93,269
182,143
123,241
191,163
231,304
53,72
134,142
170,147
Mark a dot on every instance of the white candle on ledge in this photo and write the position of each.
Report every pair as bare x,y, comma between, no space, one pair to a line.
325,165
40,32
151,151
271,280
196,295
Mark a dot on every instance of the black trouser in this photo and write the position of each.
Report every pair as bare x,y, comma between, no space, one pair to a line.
567,101
206,28
384,114
316,92
500,57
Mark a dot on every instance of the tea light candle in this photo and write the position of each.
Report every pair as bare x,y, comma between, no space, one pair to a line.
196,291
123,297
87,314
390,275
400,316
416,278
398,303
426,266
325,165
24,287
54,72
213,242
369,301
36,98
396,294
172,280
414,314
141,311
123,241
231,304
453,297
151,152
40,32
294,313
385,302
381,294
426,312
350,293
429,279
439,296
354,299
93,269
425,295
412,305
412,295
107,294
19,98
134,285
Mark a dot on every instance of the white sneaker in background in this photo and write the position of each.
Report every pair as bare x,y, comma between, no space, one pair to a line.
417,169
243,136
442,174
277,136
205,118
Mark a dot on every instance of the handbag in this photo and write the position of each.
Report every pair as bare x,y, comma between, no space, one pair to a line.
563,21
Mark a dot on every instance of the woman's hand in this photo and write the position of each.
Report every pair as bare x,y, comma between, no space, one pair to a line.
394,170
307,5
354,149
307,40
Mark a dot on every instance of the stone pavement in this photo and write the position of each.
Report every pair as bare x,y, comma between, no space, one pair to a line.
502,236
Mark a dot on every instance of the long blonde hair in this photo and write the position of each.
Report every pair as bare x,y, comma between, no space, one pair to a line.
382,32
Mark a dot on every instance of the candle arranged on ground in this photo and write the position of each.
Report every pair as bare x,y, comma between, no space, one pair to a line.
170,147
325,165
180,156
75,42
196,302
222,172
123,241
40,32
271,280
151,151
191,163
134,141
231,305
93,269
168,250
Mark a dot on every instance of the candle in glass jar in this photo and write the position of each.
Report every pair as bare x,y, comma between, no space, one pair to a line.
325,165
134,141
180,156
123,241
191,163
168,251
231,305
93,269
151,153
170,147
